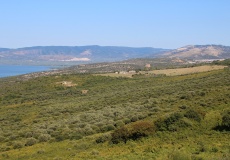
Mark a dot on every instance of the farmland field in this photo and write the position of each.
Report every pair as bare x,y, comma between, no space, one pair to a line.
169,72
183,71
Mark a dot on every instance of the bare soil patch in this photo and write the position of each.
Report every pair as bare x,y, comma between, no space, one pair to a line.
67,83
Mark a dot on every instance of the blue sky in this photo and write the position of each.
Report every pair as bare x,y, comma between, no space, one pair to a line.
135,23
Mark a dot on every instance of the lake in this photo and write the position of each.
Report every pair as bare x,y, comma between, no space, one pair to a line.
14,70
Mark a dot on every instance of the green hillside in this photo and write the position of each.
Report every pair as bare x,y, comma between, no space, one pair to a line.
84,116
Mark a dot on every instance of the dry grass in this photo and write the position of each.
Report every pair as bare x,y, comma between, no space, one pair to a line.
170,72
183,71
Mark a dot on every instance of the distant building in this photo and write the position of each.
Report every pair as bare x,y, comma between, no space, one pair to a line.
132,71
123,72
147,65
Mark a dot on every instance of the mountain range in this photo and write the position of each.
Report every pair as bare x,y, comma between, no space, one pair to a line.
92,54
200,52
75,54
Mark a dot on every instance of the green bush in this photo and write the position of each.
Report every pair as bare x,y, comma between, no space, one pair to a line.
134,119
133,131
18,145
225,125
119,124
126,120
2,138
44,138
107,127
120,135
194,115
103,138
226,120
170,123
30,141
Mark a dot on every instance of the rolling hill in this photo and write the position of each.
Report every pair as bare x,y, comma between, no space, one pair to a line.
75,54
200,52
88,116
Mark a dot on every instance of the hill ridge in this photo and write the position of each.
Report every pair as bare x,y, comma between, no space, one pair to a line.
199,52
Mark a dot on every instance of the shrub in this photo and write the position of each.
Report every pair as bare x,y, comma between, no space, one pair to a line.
126,120
2,138
119,123
226,120
225,125
30,141
134,119
141,129
161,125
107,128
169,123
133,131
28,134
88,130
120,135
17,145
76,136
103,138
191,114
44,138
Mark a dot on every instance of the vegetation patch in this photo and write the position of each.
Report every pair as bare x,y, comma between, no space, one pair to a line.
183,71
225,124
144,117
132,132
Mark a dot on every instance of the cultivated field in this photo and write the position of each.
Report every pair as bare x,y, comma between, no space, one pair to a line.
183,71
169,72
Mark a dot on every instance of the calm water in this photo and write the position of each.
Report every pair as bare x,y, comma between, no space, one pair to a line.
13,70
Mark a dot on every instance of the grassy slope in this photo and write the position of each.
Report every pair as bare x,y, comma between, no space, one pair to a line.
42,106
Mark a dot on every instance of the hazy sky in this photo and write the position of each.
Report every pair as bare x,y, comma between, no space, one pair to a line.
135,23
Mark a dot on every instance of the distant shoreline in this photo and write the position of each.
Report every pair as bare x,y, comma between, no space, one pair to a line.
16,70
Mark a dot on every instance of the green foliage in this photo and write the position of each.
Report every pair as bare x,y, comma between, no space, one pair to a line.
194,115
170,123
120,135
30,141
18,145
226,120
119,123
224,62
133,131
51,114
44,138
141,129
103,138
212,119
225,125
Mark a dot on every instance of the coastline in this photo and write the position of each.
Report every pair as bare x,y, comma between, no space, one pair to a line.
16,70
